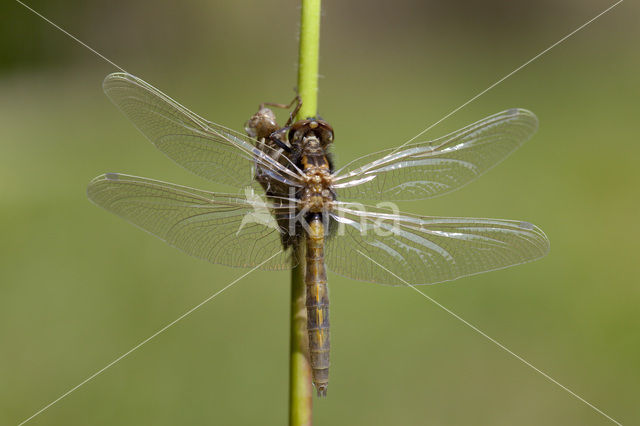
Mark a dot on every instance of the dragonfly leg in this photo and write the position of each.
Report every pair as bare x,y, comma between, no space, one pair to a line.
297,101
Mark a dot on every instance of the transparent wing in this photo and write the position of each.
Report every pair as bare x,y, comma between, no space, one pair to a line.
205,148
426,250
221,228
427,169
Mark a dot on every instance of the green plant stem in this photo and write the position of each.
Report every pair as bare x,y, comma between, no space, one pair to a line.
308,58
300,387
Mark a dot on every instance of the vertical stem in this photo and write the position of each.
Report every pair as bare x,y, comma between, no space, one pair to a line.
308,57
300,387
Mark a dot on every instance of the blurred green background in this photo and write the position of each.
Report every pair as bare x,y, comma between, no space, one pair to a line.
79,286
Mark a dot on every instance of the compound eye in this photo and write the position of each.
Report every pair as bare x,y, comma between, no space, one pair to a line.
326,137
294,135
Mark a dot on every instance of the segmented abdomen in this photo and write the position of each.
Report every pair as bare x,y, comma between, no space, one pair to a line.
317,302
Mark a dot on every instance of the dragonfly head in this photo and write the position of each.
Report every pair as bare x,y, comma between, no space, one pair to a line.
311,127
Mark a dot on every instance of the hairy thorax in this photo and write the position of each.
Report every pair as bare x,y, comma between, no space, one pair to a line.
316,195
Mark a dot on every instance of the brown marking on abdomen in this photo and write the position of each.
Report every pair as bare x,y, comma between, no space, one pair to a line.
311,160
317,302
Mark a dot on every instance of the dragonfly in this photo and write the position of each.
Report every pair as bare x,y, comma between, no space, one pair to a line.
292,207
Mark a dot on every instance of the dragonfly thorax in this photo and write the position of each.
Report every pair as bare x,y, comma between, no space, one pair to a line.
317,196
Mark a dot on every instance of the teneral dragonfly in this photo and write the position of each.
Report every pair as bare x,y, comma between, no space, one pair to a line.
295,202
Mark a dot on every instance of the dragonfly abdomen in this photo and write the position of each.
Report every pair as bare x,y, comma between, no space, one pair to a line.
317,302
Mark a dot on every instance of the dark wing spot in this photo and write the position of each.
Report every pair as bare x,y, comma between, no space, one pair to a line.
112,176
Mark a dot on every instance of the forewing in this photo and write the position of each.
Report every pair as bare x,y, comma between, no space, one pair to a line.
427,169
426,250
205,148
221,228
